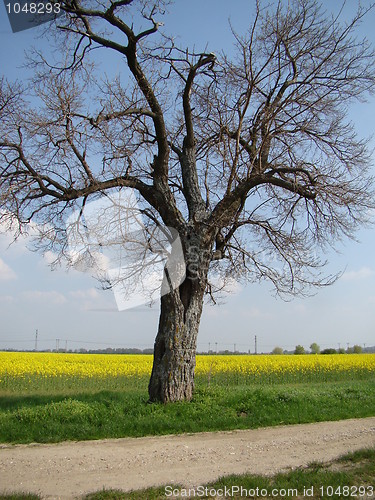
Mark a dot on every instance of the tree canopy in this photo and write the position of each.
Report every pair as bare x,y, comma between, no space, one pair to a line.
278,167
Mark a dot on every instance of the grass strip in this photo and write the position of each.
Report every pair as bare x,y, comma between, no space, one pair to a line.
115,414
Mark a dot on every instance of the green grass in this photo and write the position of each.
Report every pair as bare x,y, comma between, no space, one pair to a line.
320,479
70,415
335,479
355,469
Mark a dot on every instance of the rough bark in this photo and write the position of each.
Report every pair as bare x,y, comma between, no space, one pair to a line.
172,377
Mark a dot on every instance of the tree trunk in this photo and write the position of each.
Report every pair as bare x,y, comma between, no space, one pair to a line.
172,377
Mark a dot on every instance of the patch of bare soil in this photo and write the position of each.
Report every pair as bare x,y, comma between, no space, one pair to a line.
71,469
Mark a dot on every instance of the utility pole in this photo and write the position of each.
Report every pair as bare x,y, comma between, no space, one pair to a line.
209,346
256,348
57,345
216,346
36,339
234,351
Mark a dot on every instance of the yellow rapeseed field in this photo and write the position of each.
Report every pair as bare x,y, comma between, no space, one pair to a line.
261,365
20,365
23,364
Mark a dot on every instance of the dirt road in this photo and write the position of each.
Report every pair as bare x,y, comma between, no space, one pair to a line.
71,469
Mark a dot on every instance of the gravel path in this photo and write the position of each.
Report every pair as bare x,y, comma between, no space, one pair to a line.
71,469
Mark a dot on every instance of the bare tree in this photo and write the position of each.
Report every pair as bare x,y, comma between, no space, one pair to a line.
251,159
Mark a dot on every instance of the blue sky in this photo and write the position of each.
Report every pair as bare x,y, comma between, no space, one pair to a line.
70,306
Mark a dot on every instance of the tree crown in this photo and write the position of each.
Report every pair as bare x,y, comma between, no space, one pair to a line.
254,153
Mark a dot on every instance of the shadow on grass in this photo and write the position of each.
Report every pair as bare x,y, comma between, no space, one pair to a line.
12,402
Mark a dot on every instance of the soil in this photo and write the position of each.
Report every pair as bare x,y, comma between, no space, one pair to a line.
71,469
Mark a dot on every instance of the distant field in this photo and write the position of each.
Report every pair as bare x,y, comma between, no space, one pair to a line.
20,372
48,397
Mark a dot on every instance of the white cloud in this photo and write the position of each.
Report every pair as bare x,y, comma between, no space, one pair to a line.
11,239
6,273
50,257
91,299
363,273
91,293
51,297
214,311
252,312
300,308
224,285
6,299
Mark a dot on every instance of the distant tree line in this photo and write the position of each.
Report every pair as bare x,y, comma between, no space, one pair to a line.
299,349
110,350
315,349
